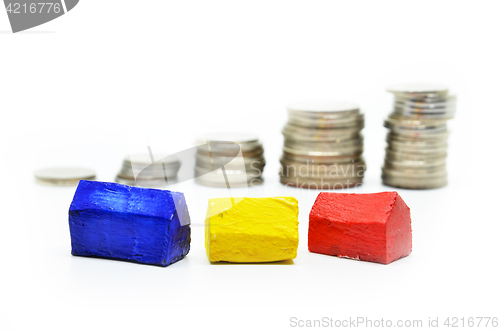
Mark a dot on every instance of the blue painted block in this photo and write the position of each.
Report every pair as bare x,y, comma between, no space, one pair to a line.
135,224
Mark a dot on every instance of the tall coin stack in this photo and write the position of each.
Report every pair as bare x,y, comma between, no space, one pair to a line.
417,138
229,160
323,146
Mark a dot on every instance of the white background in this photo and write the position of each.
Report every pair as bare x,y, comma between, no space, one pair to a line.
111,76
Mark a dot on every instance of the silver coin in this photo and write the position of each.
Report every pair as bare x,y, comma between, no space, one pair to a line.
415,149
404,121
335,153
331,116
412,141
415,183
216,147
145,160
435,134
337,170
344,146
441,137
328,161
414,110
149,183
424,113
166,167
446,101
404,164
220,181
415,144
255,165
294,132
64,176
355,121
218,142
431,152
410,111
414,173
418,89
436,139
233,137
325,114
408,130
230,150
424,101
216,162
419,115
234,177
320,159
148,175
401,108
323,107
427,133
404,156
229,172
153,167
321,183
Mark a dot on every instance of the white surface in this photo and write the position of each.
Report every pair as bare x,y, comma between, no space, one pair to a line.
115,76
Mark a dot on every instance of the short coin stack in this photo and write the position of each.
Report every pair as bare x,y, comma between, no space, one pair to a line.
229,160
66,176
140,170
417,139
323,146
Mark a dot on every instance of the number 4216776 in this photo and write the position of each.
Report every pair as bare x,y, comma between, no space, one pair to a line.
34,8
455,322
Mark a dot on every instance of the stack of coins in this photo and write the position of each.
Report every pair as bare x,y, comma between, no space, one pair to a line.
140,170
417,138
323,146
229,160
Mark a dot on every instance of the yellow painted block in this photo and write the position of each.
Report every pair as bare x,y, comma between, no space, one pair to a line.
252,229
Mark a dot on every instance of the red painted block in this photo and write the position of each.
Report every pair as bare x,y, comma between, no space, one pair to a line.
369,227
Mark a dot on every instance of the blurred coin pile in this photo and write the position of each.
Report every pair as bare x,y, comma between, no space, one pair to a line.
417,138
63,176
140,170
323,146
229,160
